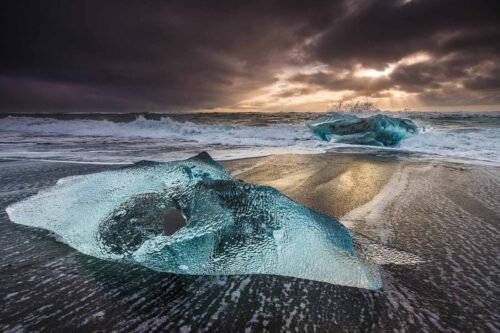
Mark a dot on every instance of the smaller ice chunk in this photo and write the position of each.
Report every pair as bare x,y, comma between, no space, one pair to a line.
377,130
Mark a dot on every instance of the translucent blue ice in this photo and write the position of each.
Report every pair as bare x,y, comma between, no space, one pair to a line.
377,130
231,227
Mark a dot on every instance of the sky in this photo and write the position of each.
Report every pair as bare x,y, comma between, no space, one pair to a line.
174,56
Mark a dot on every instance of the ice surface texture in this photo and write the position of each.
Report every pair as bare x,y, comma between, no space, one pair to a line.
378,130
231,227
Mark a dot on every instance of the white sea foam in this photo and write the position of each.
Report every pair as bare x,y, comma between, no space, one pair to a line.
460,142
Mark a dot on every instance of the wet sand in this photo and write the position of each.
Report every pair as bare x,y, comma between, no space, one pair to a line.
332,184
448,214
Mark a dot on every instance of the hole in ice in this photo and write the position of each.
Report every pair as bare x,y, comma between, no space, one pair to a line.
173,220
135,221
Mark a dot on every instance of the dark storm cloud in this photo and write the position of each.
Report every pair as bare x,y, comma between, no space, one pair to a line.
168,55
377,32
489,81
459,36
294,92
147,54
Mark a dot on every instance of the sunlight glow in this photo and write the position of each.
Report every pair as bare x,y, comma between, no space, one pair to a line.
287,94
406,61
373,73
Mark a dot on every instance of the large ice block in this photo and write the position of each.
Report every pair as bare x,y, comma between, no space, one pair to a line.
231,227
377,130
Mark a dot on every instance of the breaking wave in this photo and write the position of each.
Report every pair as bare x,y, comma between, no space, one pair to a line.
165,128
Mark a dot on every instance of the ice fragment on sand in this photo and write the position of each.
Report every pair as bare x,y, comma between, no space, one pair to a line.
231,227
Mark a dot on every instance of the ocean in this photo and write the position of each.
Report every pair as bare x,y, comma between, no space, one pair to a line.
127,138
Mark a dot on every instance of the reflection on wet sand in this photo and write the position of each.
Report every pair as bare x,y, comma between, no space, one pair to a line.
332,184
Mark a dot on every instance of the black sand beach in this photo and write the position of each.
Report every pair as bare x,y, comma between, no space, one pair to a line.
447,214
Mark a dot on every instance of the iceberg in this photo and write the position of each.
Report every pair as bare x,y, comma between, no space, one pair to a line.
377,130
231,227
